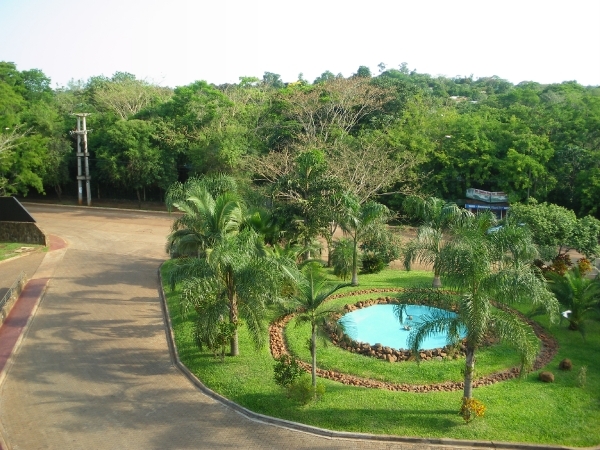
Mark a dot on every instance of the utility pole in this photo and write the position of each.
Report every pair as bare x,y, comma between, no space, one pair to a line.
82,131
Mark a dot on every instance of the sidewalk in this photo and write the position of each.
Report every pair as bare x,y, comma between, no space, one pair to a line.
39,268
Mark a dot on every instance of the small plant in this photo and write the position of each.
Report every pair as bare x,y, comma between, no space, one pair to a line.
582,377
471,408
561,264
287,370
585,266
303,391
341,258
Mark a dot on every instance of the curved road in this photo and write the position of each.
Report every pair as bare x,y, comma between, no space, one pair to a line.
93,370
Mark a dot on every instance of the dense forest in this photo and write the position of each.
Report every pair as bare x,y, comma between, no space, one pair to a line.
392,134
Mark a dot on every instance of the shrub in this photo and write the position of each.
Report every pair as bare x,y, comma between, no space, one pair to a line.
561,264
341,258
303,392
585,266
287,370
471,408
379,249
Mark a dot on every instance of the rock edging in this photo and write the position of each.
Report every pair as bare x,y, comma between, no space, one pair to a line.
278,347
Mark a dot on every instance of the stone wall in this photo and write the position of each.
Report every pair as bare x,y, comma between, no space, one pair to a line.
25,232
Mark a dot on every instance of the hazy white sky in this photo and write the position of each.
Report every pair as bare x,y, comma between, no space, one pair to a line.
176,42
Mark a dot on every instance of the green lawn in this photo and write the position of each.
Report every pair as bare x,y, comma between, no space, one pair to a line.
7,249
525,410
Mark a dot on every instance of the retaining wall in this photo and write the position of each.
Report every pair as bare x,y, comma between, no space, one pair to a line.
26,232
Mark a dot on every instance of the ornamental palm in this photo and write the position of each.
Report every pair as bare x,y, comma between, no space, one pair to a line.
210,211
313,291
436,217
237,279
485,273
580,296
357,221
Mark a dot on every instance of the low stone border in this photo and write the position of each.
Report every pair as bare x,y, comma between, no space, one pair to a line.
278,347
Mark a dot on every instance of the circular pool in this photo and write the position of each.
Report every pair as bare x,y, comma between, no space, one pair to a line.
378,324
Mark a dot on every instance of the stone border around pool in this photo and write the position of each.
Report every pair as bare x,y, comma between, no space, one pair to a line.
278,347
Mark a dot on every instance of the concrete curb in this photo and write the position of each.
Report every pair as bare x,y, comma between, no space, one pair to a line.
324,432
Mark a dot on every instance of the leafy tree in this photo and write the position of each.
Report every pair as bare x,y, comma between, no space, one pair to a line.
273,80
557,230
484,274
578,295
309,301
436,218
130,158
325,76
363,72
125,96
302,194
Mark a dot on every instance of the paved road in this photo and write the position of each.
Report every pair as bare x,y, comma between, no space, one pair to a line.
93,370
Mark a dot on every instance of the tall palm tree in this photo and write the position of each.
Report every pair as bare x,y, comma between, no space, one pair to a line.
485,273
313,291
357,221
578,295
436,218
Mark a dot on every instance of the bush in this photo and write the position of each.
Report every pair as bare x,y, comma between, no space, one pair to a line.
380,248
303,392
372,263
585,266
341,258
287,370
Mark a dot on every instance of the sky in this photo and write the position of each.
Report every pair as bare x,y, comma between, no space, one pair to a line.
177,42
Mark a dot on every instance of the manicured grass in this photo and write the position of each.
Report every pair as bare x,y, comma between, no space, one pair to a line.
521,410
7,249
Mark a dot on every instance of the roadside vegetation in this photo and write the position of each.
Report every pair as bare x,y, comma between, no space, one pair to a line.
565,412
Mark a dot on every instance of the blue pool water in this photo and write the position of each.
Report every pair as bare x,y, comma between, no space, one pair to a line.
378,324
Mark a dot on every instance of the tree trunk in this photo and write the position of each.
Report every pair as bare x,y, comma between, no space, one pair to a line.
233,318
469,370
58,190
137,191
355,264
313,351
437,282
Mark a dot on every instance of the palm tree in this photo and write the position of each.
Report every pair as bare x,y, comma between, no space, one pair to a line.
580,296
238,278
436,217
210,211
359,220
485,273
225,272
313,291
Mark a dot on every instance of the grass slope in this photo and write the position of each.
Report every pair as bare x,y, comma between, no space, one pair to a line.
525,410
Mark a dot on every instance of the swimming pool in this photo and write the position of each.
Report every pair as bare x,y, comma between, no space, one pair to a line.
378,324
